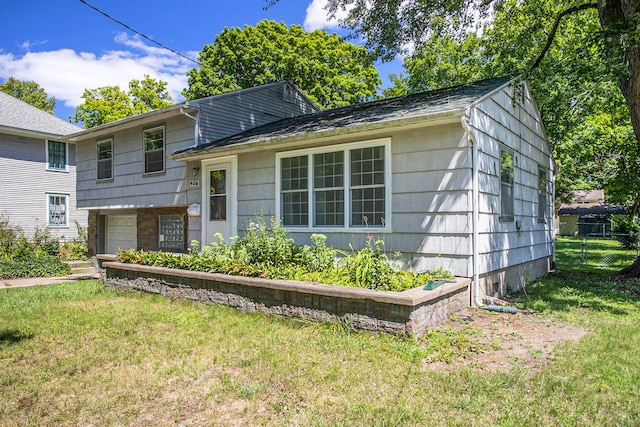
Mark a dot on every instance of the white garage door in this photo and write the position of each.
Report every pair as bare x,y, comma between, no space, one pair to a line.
121,233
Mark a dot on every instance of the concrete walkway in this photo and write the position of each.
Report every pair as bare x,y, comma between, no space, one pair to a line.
34,281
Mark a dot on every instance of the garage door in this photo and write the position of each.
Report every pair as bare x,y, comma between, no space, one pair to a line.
121,233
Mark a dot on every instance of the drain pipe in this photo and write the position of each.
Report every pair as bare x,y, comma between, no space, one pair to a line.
196,135
477,300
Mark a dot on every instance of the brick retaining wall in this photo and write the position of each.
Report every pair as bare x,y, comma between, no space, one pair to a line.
410,312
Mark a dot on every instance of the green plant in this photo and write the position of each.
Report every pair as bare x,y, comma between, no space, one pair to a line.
319,256
627,230
370,266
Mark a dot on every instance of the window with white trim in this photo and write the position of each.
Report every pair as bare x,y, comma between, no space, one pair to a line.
56,155
335,188
104,156
57,210
506,186
542,194
153,149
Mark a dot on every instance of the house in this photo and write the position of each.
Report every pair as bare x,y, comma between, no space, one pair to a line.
135,195
37,171
460,178
587,214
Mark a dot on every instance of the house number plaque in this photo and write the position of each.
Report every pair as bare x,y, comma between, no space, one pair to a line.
194,183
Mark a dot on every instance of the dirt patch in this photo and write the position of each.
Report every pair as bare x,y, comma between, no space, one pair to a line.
508,340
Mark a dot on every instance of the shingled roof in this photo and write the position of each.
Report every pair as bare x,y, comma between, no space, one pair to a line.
18,116
414,105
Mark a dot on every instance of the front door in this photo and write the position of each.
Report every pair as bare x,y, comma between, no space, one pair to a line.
219,201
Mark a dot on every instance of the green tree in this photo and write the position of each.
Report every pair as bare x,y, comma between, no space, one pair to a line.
332,72
388,27
29,92
110,103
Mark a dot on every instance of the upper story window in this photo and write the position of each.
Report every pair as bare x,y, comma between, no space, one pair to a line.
104,156
57,210
506,186
154,149
336,187
56,156
542,194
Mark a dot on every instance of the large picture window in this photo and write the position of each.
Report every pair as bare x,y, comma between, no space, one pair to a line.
335,188
154,149
56,155
506,186
104,159
57,210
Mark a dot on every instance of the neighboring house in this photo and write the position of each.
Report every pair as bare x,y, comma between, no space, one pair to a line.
587,214
37,170
459,178
139,198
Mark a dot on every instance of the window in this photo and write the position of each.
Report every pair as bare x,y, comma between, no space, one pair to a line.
335,188
218,195
105,159
171,232
506,186
56,155
57,210
542,194
154,149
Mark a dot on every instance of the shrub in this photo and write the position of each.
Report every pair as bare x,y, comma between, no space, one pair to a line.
628,231
272,255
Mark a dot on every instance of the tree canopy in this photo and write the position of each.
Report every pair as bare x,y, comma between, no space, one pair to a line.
332,72
29,92
110,103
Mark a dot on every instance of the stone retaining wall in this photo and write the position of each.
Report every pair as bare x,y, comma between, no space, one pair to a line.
410,312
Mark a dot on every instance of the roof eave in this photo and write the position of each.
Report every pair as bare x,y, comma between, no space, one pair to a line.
30,133
451,116
129,122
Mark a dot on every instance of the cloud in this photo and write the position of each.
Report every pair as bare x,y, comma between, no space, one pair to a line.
65,73
316,17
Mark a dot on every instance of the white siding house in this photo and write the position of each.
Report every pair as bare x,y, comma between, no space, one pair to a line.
37,170
460,178
136,195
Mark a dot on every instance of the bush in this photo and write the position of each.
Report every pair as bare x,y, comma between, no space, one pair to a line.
628,231
20,257
272,255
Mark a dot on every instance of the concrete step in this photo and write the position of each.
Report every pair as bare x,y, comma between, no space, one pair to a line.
82,271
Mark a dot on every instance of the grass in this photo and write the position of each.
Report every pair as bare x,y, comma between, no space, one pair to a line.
81,354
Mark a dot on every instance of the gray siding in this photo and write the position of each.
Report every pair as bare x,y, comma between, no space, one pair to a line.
430,205
130,187
234,113
500,123
25,183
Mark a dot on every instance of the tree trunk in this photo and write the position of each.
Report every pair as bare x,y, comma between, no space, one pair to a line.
621,17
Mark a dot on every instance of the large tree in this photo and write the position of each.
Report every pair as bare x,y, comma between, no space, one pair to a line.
332,72
29,92
390,27
110,103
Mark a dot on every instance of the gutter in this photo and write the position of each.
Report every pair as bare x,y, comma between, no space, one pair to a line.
475,292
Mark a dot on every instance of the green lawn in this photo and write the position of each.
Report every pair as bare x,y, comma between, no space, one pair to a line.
80,354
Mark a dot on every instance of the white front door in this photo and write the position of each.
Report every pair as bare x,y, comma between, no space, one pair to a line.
219,200
121,233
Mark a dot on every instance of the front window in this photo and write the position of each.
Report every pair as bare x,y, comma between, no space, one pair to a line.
218,195
56,155
506,186
339,188
57,210
154,150
105,159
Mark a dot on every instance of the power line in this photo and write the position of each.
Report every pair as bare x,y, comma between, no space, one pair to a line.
139,33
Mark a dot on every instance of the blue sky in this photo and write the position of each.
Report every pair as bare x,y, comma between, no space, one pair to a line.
66,47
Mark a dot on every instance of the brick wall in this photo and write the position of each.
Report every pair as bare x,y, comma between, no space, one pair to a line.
148,226
92,233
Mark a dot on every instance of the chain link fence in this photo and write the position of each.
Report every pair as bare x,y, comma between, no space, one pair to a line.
608,251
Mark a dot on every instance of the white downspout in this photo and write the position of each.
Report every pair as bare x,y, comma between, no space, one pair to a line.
476,298
196,126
